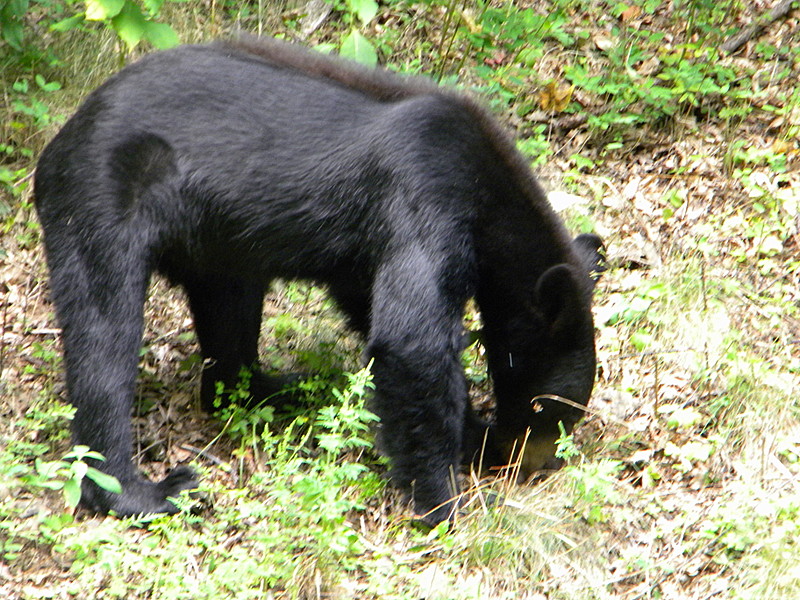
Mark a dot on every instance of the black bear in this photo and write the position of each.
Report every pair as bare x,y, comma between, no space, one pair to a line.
226,165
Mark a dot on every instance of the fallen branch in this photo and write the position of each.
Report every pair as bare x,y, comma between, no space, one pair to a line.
745,35
567,122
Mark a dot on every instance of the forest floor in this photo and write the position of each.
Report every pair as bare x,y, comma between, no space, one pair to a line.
684,481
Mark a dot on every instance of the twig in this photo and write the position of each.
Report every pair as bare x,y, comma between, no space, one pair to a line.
202,453
3,329
566,122
745,35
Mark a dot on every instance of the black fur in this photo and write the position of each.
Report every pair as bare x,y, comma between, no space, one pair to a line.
225,166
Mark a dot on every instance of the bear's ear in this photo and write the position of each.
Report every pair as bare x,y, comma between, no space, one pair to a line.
558,296
593,254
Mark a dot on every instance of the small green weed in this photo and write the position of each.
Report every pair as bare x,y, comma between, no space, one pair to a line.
68,473
354,44
291,523
133,21
30,116
242,422
43,423
596,488
565,444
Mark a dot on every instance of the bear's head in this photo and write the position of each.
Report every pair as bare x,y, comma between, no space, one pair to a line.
543,364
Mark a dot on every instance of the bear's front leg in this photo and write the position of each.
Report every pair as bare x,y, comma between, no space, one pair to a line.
415,341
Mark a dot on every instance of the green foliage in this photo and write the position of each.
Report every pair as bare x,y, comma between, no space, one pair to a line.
365,10
675,81
632,74
596,488
67,474
687,454
345,424
472,357
48,360
42,421
11,182
242,421
30,114
12,15
768,223
358,48
354,45
536,147
637,307
99,10
759,542
133,21
565,444
681,417
291,518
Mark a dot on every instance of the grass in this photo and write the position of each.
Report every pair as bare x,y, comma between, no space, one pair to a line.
684,478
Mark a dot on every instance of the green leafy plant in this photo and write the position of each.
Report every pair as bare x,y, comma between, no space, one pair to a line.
536,147
565,444
354,44
30,114
11,182
344,424
596,488
68,473
133,21
241,420
12,15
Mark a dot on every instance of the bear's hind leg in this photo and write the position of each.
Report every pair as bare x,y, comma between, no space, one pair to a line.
98,289
227,318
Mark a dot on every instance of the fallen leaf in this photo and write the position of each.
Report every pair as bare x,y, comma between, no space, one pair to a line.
650,66
641,456
561,200
630,13
603,42
497,59
555,97
469,20
781,147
